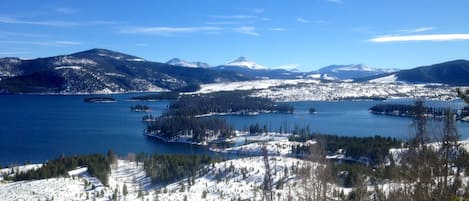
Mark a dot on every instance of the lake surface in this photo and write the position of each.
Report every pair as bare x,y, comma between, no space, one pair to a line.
35,128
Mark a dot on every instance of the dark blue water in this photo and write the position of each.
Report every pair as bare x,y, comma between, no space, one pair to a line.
348,118
36,128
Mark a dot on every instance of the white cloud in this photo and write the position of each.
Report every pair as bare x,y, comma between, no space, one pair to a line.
416,30
60,43
10,20
302,20
278,29
66,42
157,30
428,37
248,30
223,23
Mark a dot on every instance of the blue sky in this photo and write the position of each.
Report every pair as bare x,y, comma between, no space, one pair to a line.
306,34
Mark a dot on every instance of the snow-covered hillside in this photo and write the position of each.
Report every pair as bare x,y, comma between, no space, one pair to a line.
189,64
241,179
311,89
351,71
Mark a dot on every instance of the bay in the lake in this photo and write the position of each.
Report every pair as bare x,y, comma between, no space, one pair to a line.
35,128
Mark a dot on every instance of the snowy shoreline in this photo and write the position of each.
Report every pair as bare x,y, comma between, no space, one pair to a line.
291,90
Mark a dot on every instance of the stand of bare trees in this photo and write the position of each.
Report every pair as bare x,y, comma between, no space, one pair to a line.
267,191
432,171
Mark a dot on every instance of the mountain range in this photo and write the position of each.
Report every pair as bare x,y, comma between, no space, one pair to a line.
352,71
101,71
106,71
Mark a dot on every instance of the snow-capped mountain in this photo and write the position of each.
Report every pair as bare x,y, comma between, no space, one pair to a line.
189,64
244,62
351,71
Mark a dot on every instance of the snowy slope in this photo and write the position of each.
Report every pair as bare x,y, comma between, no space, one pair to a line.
244,62
386,79
310,89
240,179
189,64
350,71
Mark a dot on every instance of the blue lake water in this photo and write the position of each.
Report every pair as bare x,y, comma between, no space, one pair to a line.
35,128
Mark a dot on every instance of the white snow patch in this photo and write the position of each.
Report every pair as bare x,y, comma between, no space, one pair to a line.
386,79
243,62
68,67
136,59
115,74
70,60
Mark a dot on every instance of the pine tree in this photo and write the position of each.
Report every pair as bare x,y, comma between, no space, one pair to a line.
463,94
124,190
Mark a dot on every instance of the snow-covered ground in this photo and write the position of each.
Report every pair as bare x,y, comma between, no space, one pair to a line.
312,89
248,85
235,179
79,186
18,169
132,175
276,148
276,144
46,189
241,179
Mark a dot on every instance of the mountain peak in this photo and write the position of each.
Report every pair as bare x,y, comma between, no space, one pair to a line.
184,63
244,62
99,52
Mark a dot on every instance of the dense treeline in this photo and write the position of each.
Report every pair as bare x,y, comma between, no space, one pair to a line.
182,115
172,95
200,129
189,88
257,129
225,102
374,148
98,166
168,168
98,99
406,110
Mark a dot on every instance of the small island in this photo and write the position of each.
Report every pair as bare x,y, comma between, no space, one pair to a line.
140,108
99,100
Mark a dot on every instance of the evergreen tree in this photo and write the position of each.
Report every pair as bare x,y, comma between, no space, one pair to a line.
463,94
124,190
